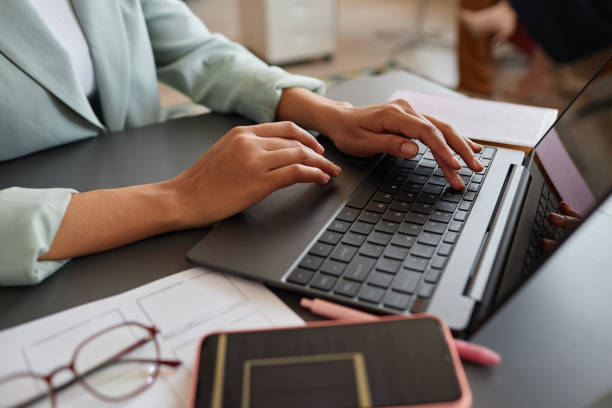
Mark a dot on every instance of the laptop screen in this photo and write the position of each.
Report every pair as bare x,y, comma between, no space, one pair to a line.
576,154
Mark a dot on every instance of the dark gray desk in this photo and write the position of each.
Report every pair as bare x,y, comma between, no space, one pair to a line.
554,335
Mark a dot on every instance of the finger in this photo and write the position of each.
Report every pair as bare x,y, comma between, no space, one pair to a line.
548,244
475,146
276,143
288,130
562,221
458,143
397,120
300,155
296,173
567,210
391,144
452,176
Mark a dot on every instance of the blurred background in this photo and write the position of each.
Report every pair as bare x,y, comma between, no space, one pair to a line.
474,46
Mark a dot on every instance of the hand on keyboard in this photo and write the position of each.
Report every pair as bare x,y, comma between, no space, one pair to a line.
385,128
245,166
568,219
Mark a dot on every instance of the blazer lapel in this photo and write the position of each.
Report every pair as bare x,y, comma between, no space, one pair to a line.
28,43
103,25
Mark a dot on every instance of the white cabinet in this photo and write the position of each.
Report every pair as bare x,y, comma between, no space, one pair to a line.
283,31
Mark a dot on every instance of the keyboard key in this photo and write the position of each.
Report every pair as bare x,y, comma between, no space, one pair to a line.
372,250
451,195
343,253
441,216
333,267
429,155
311,262
406,196
433,275
423,251
379,238
469,196
386,226
362,228
423,208
321,249
464,171
383,197
371,294
396,252
360,197
437,181
339,226
394,216
330,237
432,189
473,187
359,269
450,237
390,188
446,206
461,215
454,226
416,179
477,178
414,263
323,282
300,276
429,238
403,240
348,214
416,218
406,281
485,162
438,172
388,265
380,279
445,249
413,188
401,206
396,300
352,238
438,262
428,163
423,171
376,207
465,206
369,217
434,226
410,229
347,288
426,291
487,153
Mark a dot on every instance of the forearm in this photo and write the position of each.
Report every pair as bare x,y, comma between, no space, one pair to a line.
309,110
104,219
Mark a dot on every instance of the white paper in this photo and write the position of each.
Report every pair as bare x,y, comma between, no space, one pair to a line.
490,121
185,306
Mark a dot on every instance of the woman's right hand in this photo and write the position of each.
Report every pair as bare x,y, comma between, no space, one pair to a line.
244,167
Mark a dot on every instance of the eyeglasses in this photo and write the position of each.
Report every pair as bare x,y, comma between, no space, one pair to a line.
114,365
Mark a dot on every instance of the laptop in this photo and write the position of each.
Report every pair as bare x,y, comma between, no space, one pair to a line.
390,236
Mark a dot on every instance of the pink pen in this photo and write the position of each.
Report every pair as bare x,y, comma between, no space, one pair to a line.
473,353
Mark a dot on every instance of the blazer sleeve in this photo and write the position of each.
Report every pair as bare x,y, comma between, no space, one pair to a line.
211,69
29,220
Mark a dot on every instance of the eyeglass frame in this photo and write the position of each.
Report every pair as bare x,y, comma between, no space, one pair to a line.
152,330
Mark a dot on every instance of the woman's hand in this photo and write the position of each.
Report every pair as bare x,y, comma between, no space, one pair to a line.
383,128
567,219
245,166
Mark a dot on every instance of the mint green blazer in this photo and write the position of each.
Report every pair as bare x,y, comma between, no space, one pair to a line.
133,44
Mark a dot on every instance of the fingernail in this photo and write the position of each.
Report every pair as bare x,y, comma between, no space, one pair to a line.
327,178
460,182
337,170
476,163
408,149
321,149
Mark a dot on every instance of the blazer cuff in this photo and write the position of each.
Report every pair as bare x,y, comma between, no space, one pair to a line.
29,220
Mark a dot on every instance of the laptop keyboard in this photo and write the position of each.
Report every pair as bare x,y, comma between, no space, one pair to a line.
542,229
389,245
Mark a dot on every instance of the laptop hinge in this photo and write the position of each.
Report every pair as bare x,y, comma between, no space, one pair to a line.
489,247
